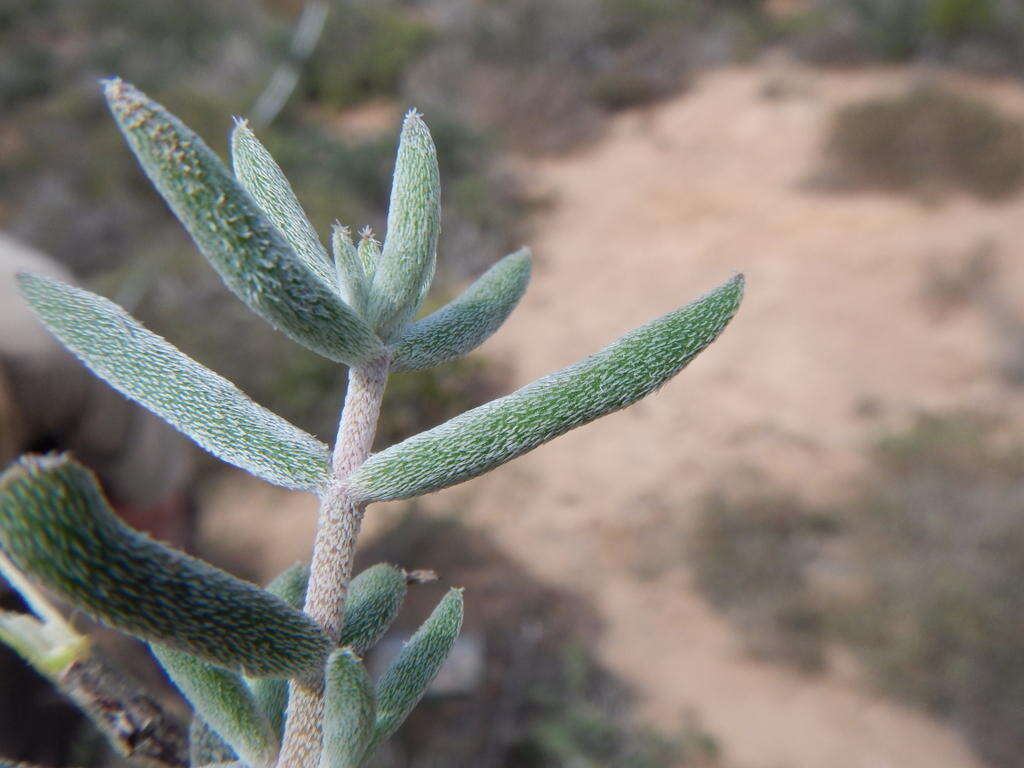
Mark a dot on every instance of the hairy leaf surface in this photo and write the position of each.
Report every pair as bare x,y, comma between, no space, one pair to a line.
205,747
272,695
263,178
403,683
206,407
349,711
350,275
466,322
488,436
56,526
374,599
406,265
375,596
369,253
251,255
224,703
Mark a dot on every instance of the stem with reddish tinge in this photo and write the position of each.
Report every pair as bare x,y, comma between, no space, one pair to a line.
337,529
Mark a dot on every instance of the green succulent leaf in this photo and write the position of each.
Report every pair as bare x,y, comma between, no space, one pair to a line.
263,178
488,436
403,683
158,376
251,255
369,253
205,747
406,265
374,598
56,526
224,703
351,276
468,321
290,584
271,694
349,711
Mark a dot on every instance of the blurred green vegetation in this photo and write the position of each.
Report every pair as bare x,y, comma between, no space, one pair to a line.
543,75
929,140
919,573
938,532
577,720
976,34
366,49
750,559
958,18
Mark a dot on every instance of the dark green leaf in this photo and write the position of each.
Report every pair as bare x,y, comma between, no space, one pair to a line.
56,526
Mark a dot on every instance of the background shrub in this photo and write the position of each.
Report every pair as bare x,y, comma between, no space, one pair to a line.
751,559
919,573
930,139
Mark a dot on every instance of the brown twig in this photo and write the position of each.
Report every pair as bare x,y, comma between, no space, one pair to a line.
133,722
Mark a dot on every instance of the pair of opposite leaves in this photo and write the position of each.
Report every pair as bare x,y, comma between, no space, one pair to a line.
255,234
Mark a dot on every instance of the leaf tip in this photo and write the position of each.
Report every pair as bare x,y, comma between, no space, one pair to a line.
453,599
415,132
346,652
736,284
112,86
123,97
25,280
523,255
31,465
341,231
241,133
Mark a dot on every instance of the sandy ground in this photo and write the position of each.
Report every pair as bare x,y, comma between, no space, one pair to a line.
671,203
834,325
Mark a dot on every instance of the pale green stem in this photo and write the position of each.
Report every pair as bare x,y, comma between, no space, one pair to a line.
46,640
338,526
134,724
36,600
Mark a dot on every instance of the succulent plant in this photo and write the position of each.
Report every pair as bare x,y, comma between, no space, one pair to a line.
274,674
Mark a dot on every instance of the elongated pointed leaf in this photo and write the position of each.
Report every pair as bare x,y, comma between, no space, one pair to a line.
263,178
369,253
488,436
224,703
158,376
350,275
205,747
56,526
406,265
251,255
403,683
374,599
349,711
466,322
